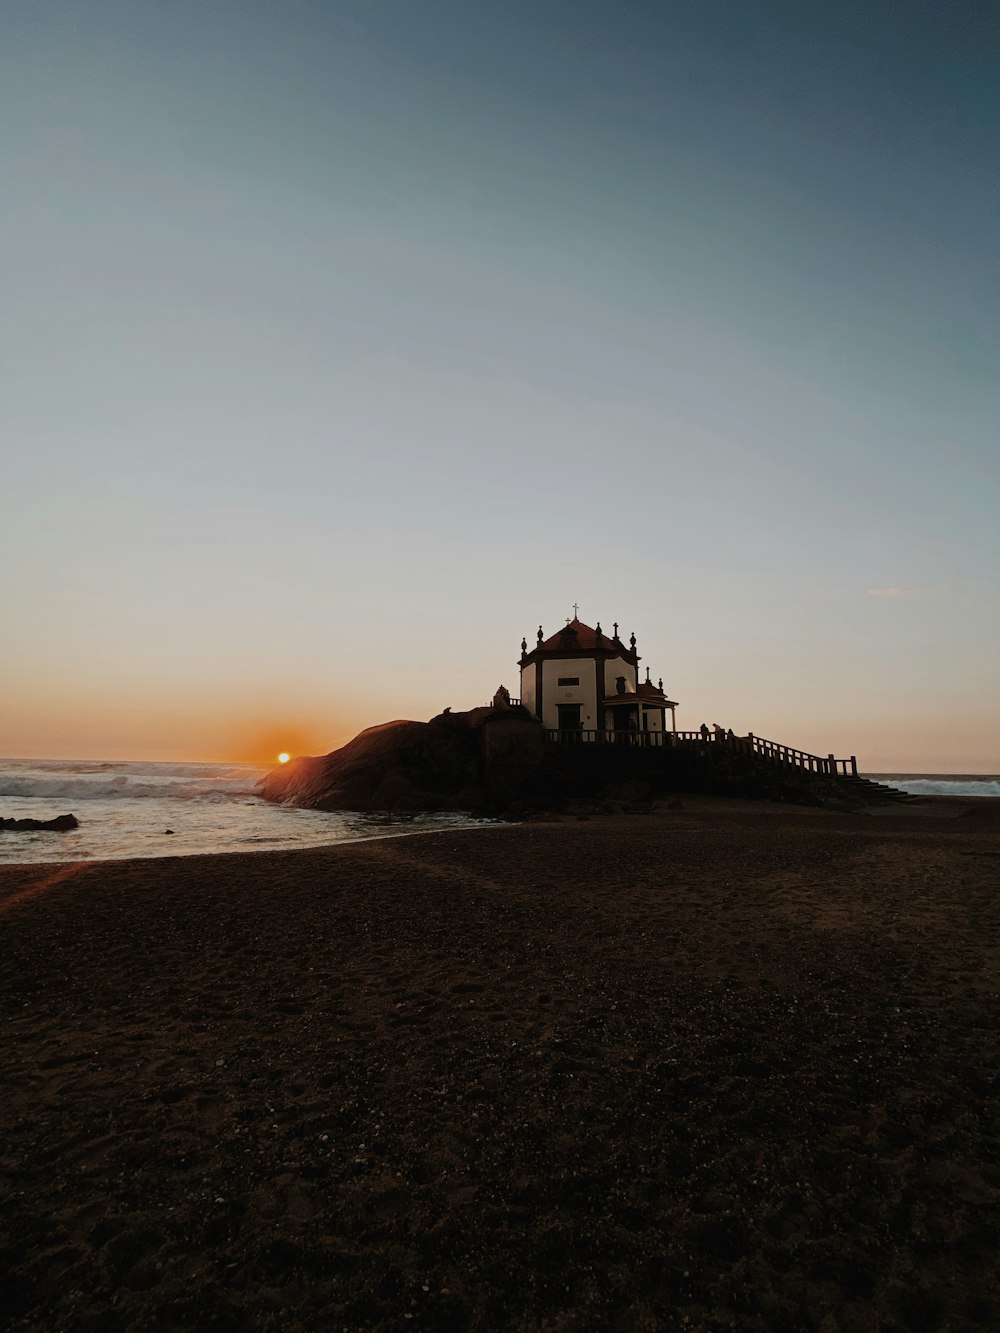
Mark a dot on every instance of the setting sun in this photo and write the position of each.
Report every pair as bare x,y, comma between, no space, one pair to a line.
283,758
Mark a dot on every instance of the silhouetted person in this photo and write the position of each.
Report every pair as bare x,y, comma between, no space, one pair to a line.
704,731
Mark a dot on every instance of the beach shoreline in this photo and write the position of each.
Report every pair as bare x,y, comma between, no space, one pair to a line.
732,1065
922,807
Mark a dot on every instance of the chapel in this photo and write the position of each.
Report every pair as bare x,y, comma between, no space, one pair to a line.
581,679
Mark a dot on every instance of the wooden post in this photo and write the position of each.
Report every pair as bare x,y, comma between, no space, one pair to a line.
854,765
831,765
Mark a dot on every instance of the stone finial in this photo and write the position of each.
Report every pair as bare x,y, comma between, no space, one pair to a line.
659,684
632,641
616,631
539,634
524,645
648,681
597,631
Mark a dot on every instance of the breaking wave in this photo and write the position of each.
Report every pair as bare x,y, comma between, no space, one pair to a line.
142,809
108,782
959,784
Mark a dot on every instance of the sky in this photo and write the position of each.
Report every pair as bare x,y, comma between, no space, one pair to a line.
343,343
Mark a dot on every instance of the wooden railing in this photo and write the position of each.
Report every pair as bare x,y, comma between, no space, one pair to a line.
586,736
772,751
787,754
647,740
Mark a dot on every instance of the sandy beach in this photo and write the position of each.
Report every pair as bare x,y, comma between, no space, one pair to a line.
732,1066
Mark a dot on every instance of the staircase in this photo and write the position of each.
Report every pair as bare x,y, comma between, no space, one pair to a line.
877,791
844,771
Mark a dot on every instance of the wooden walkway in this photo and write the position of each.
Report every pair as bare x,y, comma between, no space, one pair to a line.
787,756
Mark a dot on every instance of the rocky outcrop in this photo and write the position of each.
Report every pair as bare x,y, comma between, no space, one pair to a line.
494,761
61,824
457,761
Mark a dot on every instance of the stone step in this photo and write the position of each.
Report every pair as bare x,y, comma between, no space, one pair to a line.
889,793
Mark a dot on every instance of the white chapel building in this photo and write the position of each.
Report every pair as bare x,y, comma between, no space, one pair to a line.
579,679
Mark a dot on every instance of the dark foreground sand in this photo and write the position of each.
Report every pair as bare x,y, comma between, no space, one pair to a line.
727,1067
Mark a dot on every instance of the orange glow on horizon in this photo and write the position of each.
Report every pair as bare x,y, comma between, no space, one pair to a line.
280,742
157,720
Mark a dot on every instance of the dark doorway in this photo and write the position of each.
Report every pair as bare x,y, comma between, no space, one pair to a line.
569,717
625,725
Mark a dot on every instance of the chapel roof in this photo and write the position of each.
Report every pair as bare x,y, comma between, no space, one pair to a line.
647,690
645,694
586,638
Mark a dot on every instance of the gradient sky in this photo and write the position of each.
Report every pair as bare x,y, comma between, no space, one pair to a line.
342,343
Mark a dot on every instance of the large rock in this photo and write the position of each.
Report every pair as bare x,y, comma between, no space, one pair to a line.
458,761
495,761
60,824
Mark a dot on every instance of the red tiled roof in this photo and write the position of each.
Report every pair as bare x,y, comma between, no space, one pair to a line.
649,690
585,638
646,693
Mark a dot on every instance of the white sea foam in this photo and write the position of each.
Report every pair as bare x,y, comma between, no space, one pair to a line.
941,784
126,809
120,788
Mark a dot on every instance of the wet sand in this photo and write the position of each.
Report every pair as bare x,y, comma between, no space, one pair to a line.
732,1066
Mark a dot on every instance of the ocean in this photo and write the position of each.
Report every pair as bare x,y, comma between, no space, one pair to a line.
125,810
941,784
